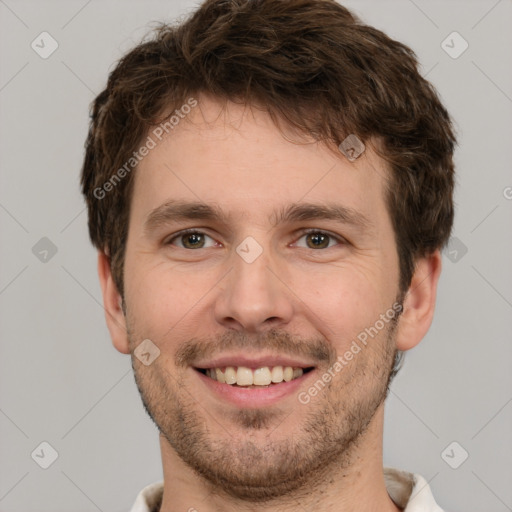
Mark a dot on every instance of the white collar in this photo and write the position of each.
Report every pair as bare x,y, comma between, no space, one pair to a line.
409,491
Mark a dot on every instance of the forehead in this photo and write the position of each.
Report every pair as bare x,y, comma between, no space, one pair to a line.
234,156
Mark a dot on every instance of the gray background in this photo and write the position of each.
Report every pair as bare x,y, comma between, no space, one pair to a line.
62,382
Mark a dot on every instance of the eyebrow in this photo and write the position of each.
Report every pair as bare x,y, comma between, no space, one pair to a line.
178,210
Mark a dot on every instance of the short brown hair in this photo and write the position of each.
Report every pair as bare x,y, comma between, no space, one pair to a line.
309,63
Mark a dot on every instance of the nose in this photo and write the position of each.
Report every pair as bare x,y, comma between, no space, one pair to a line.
254,297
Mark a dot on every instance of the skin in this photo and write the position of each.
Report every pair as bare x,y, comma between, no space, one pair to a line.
325,455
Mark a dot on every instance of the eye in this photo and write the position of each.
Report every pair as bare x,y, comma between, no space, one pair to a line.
190,239
316,239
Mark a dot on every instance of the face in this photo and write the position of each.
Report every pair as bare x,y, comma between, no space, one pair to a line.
252,259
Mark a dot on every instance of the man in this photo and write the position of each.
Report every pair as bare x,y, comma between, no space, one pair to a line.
269,185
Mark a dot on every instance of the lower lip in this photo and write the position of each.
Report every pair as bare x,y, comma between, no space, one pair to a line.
254,397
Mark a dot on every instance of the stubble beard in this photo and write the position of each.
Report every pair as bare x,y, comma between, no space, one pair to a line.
246,465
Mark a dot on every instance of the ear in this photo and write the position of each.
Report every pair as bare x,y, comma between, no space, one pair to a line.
419,302
114,315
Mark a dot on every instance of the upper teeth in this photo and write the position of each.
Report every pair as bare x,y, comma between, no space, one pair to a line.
243,376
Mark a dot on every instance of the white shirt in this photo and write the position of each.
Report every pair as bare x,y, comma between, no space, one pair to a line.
409,491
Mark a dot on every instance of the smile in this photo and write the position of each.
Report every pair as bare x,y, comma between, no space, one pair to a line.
243,376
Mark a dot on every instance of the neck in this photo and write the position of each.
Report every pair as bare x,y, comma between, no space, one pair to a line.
358,486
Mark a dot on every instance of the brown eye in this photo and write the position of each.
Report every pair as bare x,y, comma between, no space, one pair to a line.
191,240
315,239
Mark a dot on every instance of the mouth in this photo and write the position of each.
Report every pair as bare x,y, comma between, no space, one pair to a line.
254,378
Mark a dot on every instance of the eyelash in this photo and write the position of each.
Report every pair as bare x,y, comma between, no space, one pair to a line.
305,232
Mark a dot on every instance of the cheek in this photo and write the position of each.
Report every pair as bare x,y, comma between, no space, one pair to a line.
162,297
341,300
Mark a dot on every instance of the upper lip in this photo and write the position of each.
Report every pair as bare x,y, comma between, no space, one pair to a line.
252,362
